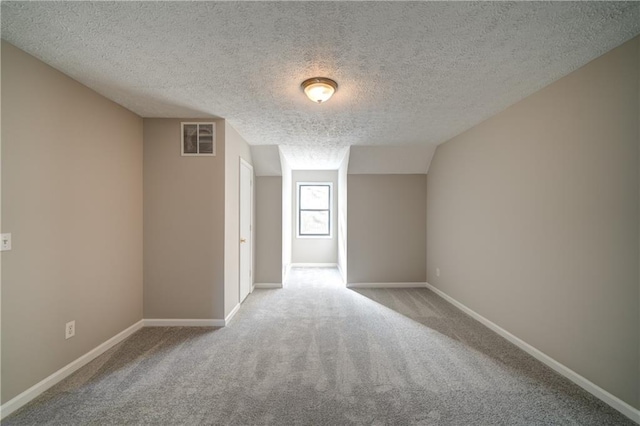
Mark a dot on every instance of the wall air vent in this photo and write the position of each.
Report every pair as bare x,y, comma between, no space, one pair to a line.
198,139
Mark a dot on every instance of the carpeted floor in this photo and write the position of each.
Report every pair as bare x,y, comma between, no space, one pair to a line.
317,353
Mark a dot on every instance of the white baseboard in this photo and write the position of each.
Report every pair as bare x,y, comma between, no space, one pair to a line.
386,285
35,390
314,265
174,322
231,314
267,285
592,388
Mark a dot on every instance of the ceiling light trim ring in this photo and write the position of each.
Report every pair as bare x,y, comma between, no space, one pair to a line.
319,89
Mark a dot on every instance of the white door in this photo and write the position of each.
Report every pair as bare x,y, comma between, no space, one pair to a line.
246,198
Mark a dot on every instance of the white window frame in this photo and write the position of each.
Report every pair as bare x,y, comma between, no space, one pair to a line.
198,154
331,216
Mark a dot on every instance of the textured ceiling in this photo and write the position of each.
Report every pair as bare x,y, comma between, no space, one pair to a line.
408,73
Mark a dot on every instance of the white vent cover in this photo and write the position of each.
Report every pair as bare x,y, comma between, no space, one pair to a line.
198,139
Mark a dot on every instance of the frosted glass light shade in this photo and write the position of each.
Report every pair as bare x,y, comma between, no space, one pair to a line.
319,89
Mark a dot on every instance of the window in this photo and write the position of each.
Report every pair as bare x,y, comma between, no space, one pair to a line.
198,139
314,209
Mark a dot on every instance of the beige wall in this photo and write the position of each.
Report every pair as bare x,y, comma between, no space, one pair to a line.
268,229
342,216
533,220
72,198
314,250
287,216
1,230
235,148
183,225
386,228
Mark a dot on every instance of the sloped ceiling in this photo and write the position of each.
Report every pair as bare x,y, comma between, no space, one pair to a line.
266,160
414,73
408,159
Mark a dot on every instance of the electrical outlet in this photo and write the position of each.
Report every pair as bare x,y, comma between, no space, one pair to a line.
5,242
437,272
70,329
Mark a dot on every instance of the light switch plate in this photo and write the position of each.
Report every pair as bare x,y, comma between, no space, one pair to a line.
5,242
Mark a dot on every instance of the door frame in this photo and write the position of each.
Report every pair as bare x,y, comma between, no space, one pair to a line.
243,162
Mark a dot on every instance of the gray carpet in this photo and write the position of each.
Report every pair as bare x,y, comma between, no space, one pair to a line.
316,353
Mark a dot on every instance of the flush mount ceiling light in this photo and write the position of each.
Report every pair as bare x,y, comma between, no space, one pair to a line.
319,89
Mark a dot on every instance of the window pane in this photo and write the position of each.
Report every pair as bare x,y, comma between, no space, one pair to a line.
190,139
206,144
206,147
314,197
206,130
314,223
